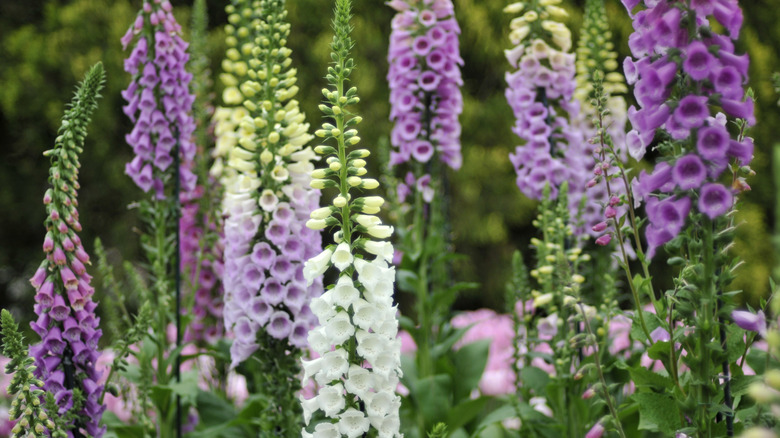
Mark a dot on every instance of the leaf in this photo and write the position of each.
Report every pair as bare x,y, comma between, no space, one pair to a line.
464,412
659,350
433,397
446,345
213,410
652,321
534,378
657,412
407,280
499,414
470,363
642,376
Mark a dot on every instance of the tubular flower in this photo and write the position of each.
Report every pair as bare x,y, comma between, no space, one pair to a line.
159,102
424,79
359,361
541,93
687,81
66,356
268,195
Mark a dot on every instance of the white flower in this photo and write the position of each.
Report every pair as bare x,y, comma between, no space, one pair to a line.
309,407
316,224
380,249
388,362
322,310
359,381
345,293
366,314
380,231
339,328
316,266
353,423
311,368
326,430
268,200
321,213
380,403
334,366
370,345
367,220
318,341
331,399
389,427
342,257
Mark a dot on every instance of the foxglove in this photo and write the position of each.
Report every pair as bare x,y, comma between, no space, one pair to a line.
688,81
425,80
66,356
267,194
159,102
359,361
540,93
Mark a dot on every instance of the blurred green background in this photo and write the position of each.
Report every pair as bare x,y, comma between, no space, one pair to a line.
46,46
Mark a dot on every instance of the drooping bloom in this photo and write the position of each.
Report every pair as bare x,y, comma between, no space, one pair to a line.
267,193
687,81
541,94
67,354
359,361
159,102
425,82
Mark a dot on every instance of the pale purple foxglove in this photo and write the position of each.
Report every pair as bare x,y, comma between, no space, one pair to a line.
268,197
541,95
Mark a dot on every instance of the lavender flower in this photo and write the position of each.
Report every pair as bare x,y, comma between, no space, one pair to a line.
754,322
66,356
424,78
159,102
267,193
665,50
541,93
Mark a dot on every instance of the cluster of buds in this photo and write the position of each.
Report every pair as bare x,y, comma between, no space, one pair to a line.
359,363
268,196
66,356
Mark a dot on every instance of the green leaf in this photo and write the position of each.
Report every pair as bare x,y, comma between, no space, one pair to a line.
464,412
446,345
433,397
470,363
642,376
499,414
652,321
161,395
534,378
659,350
657,412
213,410
407,280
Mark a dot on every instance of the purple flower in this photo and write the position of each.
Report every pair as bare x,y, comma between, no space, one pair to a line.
692,111
715,200
713,142
424,58
698,61
279,325
689,172
754,322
